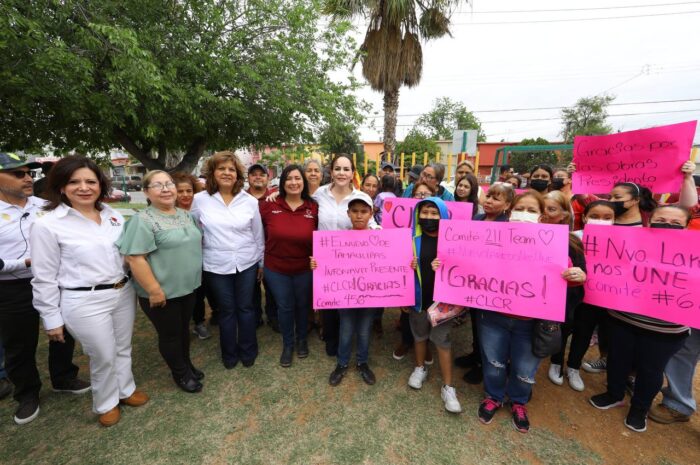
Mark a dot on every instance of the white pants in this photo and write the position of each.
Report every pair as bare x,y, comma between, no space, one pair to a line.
103,322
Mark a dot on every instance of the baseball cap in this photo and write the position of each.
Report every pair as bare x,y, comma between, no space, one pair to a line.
361,197
10,161
258,166
415,171
386,164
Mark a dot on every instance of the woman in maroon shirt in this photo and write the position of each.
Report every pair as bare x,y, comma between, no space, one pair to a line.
289,224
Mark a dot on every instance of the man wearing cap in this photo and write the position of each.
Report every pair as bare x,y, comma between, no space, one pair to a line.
19,321
392,170
258,180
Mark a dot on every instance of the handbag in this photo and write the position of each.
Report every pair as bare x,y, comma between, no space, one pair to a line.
439,312
546,338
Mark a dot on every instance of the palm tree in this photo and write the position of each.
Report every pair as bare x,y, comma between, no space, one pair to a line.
391,53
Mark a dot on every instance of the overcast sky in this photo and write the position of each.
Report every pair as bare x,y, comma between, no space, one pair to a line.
552,63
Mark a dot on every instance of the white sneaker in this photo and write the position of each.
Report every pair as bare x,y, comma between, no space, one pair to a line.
575,380
418,377
555,375
449,397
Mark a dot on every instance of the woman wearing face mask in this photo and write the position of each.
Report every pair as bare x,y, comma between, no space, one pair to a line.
557,210
467,191
333,200
541,178
643,344
496,205
508,339
632,204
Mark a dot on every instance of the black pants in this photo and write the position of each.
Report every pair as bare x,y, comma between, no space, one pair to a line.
476,347
172,324
270,306
586,318
330,322
19,332
405,326
646,352
198,311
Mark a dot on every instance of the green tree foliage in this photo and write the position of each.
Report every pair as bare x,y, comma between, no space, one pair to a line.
522,162
340,137
446,116
167,79
587,118
418,142
391,54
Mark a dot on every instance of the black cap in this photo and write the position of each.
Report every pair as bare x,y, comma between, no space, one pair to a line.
415,172
386,164
258,166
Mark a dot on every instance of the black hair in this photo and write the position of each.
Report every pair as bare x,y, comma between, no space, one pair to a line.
597,203
342,155
646,199
369,175
473,196
544,167
60,175
388,183
505,169
283,179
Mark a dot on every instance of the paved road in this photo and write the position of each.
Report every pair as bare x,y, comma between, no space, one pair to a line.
137,197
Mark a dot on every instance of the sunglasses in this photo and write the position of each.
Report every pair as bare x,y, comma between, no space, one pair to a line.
20,174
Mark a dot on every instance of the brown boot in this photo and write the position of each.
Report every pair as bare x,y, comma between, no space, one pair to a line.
665,415
137,399
110,418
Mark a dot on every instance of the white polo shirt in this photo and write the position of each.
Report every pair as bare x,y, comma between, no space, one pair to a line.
15,226
233,234
333,216
68,251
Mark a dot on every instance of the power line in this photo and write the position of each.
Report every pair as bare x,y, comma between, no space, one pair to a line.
603,18
560,108
559,117
620,7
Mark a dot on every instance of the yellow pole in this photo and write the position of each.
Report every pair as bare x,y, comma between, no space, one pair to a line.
425,158
476,164
449,167
401,175
354,160
437,157
366,164
413,159
376,168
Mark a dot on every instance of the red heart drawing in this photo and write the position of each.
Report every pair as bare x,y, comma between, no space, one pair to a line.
387,205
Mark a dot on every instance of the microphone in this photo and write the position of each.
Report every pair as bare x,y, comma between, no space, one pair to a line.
25,215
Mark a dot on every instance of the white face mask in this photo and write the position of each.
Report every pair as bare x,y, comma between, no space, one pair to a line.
601,222
524,217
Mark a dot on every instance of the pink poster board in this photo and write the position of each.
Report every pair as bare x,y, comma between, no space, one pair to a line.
512,268
651,272
649,157
363,269
398,212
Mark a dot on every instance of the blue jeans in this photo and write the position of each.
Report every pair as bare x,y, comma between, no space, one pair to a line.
355,321
680,370
503,340
237,321
292,293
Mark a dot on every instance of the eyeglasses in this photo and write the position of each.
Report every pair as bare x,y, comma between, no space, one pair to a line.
20,174
159,185
421,195
428,177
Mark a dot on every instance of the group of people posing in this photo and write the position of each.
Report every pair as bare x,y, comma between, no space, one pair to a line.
76,263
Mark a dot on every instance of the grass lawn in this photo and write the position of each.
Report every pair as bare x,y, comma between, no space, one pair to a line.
271,415
134,206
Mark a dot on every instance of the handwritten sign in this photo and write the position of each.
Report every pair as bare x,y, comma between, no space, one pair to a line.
398,212
651,272
513,268
363,269
650,157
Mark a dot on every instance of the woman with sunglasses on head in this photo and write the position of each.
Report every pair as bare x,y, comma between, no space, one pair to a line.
80,282
163,248
642,344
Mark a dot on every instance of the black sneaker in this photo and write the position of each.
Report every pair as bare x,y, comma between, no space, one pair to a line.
74,386
196,374
366,374
605,401
520,421
5,388
286,357
467,361
636,419
27,411
248,363
302,349
475,375
337,376
487,409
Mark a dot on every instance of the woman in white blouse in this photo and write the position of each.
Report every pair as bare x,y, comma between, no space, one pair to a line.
333,200
80,283
232,251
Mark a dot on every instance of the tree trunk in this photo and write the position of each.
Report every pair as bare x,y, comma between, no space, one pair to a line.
391,107
187,164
